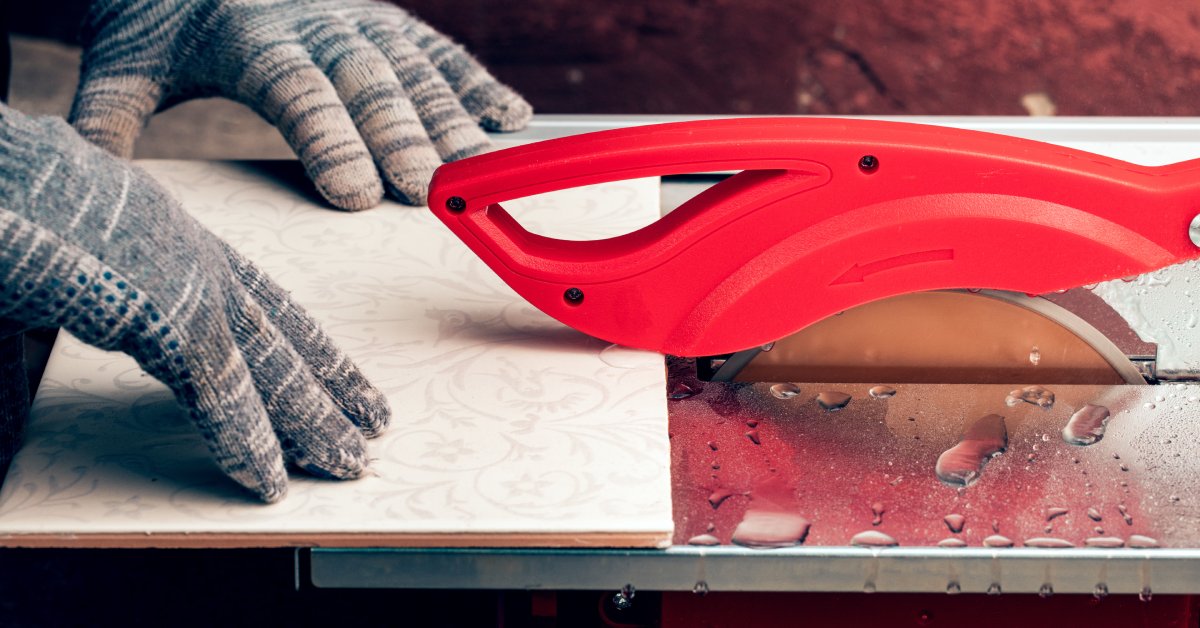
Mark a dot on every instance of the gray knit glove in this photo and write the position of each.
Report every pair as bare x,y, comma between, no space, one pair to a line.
358,88
92,244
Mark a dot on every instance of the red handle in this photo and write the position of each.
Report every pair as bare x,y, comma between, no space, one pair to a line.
827,214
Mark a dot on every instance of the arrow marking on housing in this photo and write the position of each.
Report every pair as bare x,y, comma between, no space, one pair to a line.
859,272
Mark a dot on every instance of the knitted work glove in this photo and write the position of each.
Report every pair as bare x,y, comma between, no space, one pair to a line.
358,88
92,244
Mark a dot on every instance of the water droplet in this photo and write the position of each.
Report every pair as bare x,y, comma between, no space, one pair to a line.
762,528
1148,405
1087,425
955,522
712,444
1094,514
1174,498
1045,438
718,497
833,400
1145,594
625,358
753,436
1105,542
873,538
994,588
1045,590
1116,456
1125,514
963,463
1035,356
716,466
1124,467
1142,542
623,599
683,390
877,510
1053,513
953,588
952,542
711,526
1048,542
701,588
751,423
997,540
704,539
882,392
996,526
1036,395
768,347
868,587
1031,457
1100,591
785,391
1098,530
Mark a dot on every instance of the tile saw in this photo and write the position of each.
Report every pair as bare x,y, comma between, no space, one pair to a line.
886,272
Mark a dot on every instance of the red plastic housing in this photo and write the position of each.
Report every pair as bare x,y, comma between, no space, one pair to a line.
826,214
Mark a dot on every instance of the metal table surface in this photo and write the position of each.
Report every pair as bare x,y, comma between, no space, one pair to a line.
1139,479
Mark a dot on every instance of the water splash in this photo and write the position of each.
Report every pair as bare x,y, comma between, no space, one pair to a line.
763,528
1087,425
873,538
785,391
1048,542
962,464
623,599
1036,395
833,400
1142,542
877,510
955,522
997,540
882,392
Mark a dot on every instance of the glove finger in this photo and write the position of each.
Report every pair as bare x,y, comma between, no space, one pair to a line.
453,130
349,389
284,86
404,148
316,436
111,111
187,345
493,104
14,396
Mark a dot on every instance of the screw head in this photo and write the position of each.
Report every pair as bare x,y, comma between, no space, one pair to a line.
1194,230
868,163
573,296
456,204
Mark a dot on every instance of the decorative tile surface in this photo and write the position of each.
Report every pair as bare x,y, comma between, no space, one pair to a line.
506,422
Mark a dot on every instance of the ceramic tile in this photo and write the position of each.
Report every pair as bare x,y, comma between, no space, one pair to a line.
506,422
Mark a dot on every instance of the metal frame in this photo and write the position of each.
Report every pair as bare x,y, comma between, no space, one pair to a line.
727,568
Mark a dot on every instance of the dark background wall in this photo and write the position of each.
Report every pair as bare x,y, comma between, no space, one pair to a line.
1102,57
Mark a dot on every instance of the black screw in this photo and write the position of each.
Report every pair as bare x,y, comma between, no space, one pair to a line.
456,204
868,163
574,296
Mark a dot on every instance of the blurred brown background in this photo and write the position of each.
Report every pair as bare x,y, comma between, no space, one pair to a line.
1073,57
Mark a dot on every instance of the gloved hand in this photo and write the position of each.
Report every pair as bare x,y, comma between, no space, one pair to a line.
92,244
358,88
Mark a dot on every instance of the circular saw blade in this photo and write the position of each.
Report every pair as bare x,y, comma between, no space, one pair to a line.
950,336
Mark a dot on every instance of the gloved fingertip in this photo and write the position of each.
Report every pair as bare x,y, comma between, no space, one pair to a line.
410,188
345,459
371,413
351,193
511,113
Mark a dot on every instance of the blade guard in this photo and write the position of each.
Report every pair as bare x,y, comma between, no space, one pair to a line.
826,214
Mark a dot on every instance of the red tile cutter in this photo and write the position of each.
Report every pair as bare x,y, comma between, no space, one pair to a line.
824,215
